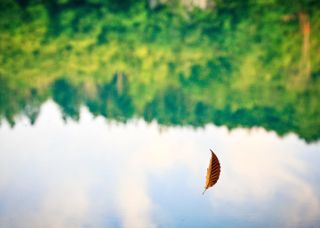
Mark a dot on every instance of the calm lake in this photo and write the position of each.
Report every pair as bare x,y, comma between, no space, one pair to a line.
97,174
108,112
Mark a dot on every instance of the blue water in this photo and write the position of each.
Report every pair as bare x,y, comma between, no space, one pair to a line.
97,173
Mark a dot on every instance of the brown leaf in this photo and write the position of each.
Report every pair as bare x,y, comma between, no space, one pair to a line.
213,172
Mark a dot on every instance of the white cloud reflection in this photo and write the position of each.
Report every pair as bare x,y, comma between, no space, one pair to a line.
272,173
94,173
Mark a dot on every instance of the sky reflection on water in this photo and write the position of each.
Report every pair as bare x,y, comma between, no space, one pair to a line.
97,174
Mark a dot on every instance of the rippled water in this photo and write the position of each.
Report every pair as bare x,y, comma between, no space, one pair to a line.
98,173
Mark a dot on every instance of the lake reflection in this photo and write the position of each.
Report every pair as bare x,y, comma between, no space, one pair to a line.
98,174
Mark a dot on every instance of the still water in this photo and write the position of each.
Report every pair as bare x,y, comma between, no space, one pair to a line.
109,109
98,173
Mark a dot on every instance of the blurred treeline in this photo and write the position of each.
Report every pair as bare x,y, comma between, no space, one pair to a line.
234,63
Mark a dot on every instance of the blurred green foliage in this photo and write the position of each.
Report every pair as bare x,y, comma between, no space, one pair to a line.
235,63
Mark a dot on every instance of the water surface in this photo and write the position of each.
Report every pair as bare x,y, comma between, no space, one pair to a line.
108,110
98,173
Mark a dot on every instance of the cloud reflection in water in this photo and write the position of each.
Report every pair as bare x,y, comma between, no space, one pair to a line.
94,173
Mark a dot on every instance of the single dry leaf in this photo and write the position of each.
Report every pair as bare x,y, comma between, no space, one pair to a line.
213,172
